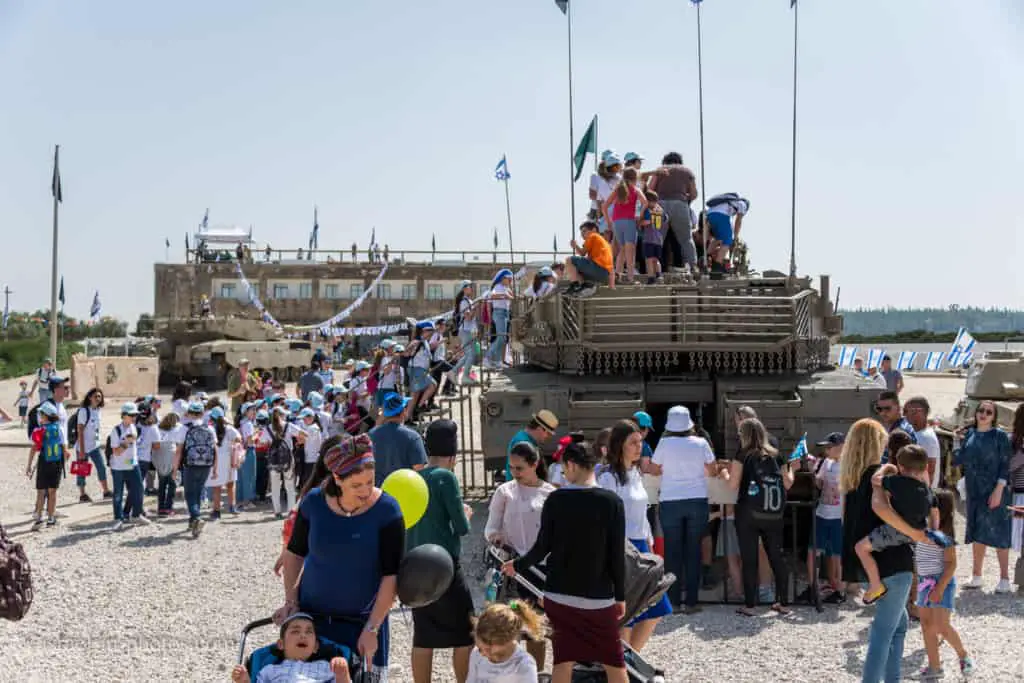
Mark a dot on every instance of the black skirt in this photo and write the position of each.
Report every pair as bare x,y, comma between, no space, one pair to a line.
446,623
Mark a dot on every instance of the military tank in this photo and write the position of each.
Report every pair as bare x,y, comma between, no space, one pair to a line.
757,340
205,350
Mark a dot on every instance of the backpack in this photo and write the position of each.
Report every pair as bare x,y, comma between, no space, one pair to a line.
73,424
33,417
200,446
15,579
108,450
764,496
53,447
279,455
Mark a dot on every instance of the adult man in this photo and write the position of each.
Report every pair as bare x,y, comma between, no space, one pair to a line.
724,215
395,446
42,380
240,382
893,378
676,186
312,380
887,408
541,427
916,412
591,264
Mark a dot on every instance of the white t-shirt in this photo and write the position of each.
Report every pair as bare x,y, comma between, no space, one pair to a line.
682,460
634,500
467,324
439,350
246,429
830,504
519,668
62,415
927,440
603,188
313,440
89,420
129,458
421,358
291,430
545,288
180,407
498,300
148,435
555,476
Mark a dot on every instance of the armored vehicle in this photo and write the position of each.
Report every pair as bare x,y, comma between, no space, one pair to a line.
206,350
713,346
998,377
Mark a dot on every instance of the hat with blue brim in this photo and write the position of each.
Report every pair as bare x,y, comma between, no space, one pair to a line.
632,156
393,404
307,412
293,404
501,275
216,413
612,160
546,272
49,410
362,365
643,420
387,344
465,283
55,381
129,409
196,408
315,399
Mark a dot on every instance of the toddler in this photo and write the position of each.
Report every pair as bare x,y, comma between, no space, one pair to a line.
22,402
498,657
652,229
302,658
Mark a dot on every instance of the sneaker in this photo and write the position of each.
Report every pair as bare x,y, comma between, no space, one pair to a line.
84,498
118,525
834,598
966,666
142,519
587,290
973,582
574,287
929,674
215,515
1004,586
51,522
37,523
197,527
108,495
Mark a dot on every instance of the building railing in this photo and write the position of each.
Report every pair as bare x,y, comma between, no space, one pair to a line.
396,257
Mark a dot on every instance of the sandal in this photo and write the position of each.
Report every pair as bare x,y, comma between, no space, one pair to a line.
746,612
872,598
779,608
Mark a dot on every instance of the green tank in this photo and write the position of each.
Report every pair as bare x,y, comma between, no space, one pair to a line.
713,346
205,350
997,377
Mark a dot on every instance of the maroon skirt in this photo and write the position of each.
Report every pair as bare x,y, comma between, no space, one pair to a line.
584,635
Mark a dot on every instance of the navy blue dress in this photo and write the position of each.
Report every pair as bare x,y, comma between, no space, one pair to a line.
985,459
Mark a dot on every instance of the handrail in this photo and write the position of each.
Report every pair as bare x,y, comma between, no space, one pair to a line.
362,256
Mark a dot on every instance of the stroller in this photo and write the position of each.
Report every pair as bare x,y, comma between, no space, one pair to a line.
268,654
646,583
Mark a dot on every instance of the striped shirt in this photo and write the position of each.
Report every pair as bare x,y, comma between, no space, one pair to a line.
295,671
929,560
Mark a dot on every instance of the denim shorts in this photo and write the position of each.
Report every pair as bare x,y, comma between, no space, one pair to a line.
924,589
721,227
828,536
419,378
589,270
625,230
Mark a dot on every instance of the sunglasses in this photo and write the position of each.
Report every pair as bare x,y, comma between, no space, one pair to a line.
990,413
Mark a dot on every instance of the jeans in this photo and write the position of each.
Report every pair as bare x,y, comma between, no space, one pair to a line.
193,478
145,467
465,365
133,479
165,488
245,488
96,455
888,631
684,522
679,219
496,354
749,531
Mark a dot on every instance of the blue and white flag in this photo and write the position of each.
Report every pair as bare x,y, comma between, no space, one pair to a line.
314,237
964,342
906,360
373,237
933,362
959,358
97,307
847,354
206,220
501,170
801,449
875,358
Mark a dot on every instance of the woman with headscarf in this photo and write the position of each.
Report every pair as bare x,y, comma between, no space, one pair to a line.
500,298
347,533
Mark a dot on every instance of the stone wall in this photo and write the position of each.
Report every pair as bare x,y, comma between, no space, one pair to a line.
121,378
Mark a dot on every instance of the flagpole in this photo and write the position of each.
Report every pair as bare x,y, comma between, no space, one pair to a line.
700,108
508,217
53,264
792,199
572,135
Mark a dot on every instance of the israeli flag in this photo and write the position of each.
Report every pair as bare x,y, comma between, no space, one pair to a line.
501,170
960,359
964,342
801,449
96,307
875,358
906,360
847,354
933,362
206,220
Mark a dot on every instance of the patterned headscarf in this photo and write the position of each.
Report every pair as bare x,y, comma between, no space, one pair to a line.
349,454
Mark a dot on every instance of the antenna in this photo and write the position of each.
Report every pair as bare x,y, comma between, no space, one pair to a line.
792,210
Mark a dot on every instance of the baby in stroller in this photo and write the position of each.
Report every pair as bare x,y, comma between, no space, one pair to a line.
297,657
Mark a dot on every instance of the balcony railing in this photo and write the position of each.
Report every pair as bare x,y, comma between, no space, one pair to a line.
396,257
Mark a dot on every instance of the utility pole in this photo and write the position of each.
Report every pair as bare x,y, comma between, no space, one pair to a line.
7,312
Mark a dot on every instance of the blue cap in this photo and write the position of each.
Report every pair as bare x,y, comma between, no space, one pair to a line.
129,409
611,160
56,381
546,272
632,156
293,404
315,399
262,415
387,343
217,413
642,419
393,404
465,283
307,412
196,407
50,410
421,325
362,365
607,153
501,275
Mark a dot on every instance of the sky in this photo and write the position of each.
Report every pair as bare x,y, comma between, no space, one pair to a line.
910,141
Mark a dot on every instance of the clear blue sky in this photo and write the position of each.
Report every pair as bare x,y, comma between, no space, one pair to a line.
394,114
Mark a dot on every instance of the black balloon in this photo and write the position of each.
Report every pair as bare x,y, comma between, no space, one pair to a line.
424,575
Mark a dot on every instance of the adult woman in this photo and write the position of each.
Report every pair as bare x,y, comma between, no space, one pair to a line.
501,306
88,442
862,455
583,535
246,490
465,315
223,474
984,454
513,518
347,533
761,484
677,187
622,477
683,461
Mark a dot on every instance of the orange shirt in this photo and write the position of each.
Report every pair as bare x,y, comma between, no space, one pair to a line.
598,250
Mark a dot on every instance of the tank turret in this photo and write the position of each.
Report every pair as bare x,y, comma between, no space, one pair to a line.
997,377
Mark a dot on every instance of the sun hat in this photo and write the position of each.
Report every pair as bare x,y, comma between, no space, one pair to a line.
348,454
129,409
612,160
307,412
392,404
195,408
362,365
293,405
217,413
607,154
315,398
642,419
546,419
632,156
387,343
399,348
679,419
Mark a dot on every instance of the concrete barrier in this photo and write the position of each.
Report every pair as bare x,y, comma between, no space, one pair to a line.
123,378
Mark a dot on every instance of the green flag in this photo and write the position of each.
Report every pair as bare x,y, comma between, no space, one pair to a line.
588,145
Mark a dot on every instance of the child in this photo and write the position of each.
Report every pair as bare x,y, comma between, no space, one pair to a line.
828,534
911,498
497,655
172,434
302,658
48,453
124,465
619,210
936,590
310,437
652,228
22,402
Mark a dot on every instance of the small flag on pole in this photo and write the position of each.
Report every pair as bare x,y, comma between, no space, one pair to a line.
801,449
554,244
905,361
964,342
563,5
314,237
792,4
167,242
847,354
186,241
55,187
933,361
433,243
373,237
875,358
495,238
501,170
96,308
588,145
206,220
60,295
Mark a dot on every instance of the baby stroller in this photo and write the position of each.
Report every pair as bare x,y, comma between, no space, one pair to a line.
646,583
269,654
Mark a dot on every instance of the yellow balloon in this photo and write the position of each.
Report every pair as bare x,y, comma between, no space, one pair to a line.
410,490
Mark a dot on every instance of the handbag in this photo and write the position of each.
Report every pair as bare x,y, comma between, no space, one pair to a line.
81,467
15,579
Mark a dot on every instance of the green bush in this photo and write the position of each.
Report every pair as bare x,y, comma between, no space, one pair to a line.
23,356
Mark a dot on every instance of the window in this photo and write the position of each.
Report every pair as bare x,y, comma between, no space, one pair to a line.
435,292
280,292
227,291
305,290
355,291
383,291
331,292
408,292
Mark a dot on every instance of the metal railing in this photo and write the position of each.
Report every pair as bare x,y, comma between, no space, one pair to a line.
397,257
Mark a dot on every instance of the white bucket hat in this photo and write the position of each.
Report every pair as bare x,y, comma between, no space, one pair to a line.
679,419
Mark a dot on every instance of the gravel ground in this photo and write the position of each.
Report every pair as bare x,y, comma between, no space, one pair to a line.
149,603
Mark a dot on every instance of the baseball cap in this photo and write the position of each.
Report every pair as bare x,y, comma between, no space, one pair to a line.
307,412
833,439
295,617
315,399
56,381
642,419
632,156
217,413
49,409
195,408
129,409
